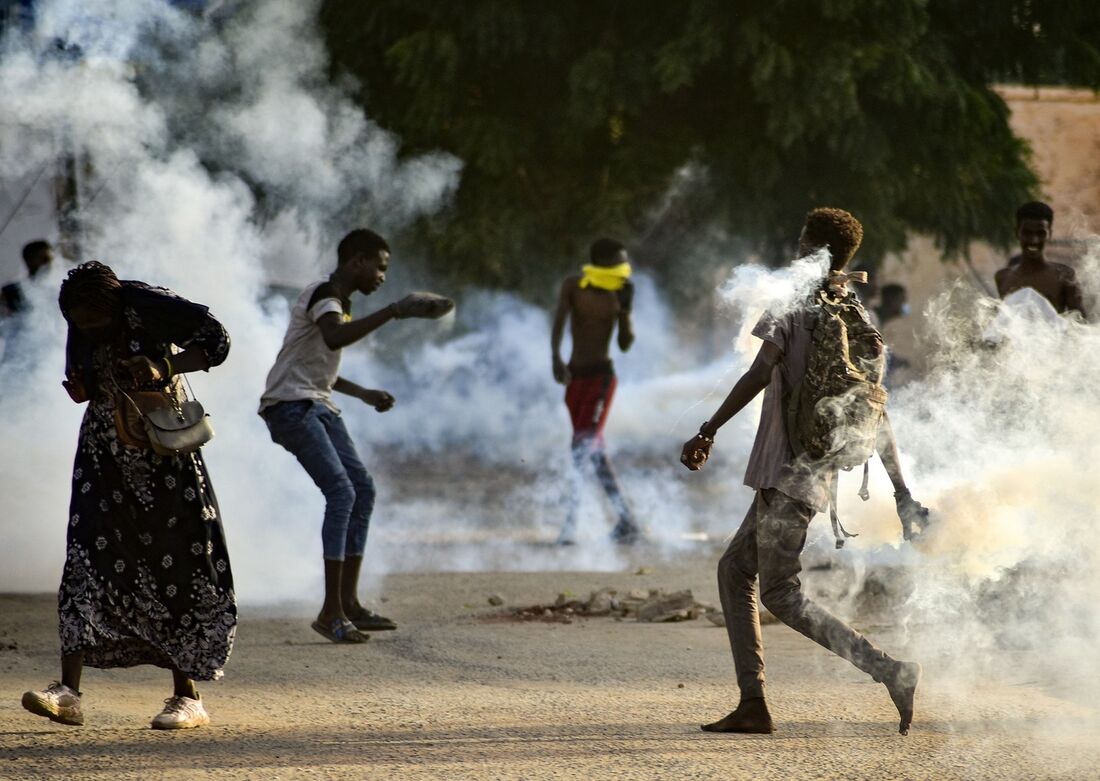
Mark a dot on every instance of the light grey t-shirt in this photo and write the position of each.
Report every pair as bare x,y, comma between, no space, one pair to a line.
306,368
772,463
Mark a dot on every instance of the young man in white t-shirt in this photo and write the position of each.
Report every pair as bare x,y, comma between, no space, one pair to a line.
301,416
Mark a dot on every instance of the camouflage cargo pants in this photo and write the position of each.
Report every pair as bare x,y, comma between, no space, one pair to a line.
769,543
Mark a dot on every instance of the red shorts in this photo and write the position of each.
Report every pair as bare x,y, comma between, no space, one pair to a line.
589,401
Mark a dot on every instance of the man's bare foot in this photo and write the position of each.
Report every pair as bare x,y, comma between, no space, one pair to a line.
902,686
750,716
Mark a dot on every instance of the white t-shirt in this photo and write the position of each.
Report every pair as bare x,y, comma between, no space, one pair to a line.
306,368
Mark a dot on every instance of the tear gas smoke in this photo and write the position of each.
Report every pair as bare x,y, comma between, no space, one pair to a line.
165,200
1001,442
170,116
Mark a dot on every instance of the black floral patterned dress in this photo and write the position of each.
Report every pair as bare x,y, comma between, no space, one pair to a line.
147,577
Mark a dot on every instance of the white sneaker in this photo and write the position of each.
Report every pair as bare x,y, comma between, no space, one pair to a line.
57,702
181,713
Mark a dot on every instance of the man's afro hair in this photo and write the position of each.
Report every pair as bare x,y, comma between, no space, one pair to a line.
836,229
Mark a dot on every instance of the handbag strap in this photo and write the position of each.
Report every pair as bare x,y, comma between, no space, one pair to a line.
137,408
188,393
129,398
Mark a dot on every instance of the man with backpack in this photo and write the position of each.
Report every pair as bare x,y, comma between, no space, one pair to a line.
824,409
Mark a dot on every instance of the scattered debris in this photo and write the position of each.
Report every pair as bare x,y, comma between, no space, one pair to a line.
884,590
642,571
653,606
496,600
659,608
602,602
541,613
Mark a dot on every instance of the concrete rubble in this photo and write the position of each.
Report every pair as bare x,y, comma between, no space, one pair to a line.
654,606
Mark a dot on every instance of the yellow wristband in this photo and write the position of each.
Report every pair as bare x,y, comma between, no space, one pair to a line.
168,364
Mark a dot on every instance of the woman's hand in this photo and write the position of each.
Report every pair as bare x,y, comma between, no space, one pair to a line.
144,371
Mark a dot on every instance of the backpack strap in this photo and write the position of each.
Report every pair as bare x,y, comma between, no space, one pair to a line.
809,318
839,532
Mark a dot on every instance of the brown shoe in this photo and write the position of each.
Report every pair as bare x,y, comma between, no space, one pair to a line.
751,716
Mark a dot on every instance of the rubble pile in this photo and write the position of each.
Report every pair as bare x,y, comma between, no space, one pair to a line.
652,606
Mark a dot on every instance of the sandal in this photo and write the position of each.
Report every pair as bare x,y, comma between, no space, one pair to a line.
340,630
369,621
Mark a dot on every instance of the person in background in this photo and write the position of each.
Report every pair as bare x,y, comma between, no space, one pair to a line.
37,256
893,307
594,302
1056,282
894,303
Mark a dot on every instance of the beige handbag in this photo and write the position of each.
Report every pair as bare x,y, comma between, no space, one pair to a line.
166,421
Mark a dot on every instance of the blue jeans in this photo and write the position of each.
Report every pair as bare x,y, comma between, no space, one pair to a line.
318,439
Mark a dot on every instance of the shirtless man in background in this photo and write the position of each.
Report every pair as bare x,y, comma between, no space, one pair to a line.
594,301
1056,282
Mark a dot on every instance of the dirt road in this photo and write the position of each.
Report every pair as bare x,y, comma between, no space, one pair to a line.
452,695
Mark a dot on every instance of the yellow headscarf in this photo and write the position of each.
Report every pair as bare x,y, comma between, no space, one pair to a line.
605,277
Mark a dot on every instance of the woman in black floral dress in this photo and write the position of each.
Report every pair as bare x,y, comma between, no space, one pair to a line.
147,578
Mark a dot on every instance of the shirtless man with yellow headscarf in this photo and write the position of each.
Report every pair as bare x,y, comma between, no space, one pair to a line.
594,301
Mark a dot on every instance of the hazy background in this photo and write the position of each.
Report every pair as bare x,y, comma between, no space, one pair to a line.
224,153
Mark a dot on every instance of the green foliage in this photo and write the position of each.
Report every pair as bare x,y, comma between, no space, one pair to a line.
658,122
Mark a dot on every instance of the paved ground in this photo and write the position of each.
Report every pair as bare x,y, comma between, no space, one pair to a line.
454,696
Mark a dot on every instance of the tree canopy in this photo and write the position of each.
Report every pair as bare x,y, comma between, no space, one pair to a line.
662,122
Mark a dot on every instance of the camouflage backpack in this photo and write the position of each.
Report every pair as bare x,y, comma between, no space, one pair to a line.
834,413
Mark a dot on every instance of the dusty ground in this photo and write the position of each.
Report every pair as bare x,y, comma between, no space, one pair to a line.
453,696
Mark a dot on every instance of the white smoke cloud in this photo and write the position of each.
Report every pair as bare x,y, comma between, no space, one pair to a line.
1003,444
1000,440
175,114
159,204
